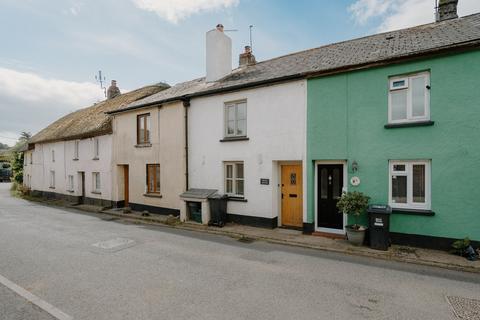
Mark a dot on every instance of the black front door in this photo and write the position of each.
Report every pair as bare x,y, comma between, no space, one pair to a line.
329,189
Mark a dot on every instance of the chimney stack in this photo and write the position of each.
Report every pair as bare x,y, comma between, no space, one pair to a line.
246,58
113,90
446,10
219,54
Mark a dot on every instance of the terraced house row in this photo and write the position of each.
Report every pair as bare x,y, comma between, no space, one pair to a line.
395,115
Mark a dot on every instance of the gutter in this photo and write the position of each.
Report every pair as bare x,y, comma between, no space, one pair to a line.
460,47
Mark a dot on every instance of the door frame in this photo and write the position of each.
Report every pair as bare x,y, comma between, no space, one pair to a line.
126,185
344,188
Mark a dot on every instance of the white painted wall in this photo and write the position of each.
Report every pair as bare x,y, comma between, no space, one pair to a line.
218,55
276,132
65,165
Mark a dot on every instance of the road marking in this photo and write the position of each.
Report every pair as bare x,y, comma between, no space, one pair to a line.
45,306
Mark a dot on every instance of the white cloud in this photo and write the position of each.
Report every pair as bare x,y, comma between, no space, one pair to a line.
29,102
395,14
31,87
176,10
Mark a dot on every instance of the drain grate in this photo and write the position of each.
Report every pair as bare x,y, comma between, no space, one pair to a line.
465,308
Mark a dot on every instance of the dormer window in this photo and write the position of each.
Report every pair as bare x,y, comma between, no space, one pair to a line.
409,98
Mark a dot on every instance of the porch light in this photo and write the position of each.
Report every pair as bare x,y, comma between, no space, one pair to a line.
354,166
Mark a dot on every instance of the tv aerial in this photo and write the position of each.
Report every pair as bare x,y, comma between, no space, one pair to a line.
100,79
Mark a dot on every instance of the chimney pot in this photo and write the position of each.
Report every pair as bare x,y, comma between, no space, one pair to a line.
447,9
246,58
220,27
113,90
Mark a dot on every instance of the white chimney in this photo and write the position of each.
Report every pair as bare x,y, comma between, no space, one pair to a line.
219,54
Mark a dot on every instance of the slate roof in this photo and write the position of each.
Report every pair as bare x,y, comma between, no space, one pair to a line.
354,54
92,121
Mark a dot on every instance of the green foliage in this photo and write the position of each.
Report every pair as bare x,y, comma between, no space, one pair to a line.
3,146
17,167
459,246
353,203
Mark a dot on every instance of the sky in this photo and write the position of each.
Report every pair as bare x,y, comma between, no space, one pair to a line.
52,49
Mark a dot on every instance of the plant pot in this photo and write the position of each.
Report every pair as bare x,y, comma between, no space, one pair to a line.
355,236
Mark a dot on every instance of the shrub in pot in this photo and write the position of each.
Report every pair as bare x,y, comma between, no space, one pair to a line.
354,203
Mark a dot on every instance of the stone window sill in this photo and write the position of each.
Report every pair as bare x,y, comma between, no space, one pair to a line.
96,158
143,145
409,124
414,212
96,192
237,199
71,191
228,139
76,159
51,187
153,195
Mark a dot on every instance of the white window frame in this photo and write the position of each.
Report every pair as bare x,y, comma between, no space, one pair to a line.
225,118
76,147
408,87
409,174
70,181
234,178
96,148
52,179
96,188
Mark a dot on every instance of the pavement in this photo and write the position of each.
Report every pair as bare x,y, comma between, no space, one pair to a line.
98,266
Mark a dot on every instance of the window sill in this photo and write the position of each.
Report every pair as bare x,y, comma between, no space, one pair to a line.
75,159
96,158
409,124
153,195
51,187
237,199
228,139
96,192
414,212
71,191
143,145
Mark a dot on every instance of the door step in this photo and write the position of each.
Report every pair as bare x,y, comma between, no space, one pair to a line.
329,235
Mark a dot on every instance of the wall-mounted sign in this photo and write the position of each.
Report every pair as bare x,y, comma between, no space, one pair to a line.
355,181
264,181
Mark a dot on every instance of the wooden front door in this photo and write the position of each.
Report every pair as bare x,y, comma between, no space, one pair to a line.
329,190
125,185
292,196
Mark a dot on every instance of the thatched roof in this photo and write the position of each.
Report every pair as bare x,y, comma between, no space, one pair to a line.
92,121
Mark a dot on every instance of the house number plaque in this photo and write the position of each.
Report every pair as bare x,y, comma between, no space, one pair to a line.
264,181
355,181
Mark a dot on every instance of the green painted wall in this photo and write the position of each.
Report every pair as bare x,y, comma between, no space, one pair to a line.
345,121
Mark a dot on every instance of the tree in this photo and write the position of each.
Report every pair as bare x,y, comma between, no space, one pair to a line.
17,167
3,146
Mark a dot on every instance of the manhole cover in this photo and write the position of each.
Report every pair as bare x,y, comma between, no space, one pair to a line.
464,308
114,244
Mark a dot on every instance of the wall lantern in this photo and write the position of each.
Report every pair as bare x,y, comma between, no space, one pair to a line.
354,166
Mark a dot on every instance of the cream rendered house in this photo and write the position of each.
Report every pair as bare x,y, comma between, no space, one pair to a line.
71,159
149,157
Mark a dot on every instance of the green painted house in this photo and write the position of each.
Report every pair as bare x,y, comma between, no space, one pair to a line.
399,120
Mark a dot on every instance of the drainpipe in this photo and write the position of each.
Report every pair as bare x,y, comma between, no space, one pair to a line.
186,104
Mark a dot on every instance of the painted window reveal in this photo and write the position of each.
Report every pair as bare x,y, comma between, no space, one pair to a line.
234,179
410,184
153,178
76,147
143,128
409,98
70,183
96,148
52,179
236,119
96,182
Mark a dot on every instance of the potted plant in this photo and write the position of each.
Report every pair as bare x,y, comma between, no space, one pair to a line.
354,203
